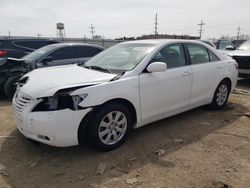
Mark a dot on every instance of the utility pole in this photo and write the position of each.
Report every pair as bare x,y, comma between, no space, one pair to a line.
9,33
156,24
201,28
238,32
38,35
92,30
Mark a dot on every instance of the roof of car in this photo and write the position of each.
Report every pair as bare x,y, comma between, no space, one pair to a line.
26,39
63,44
160,41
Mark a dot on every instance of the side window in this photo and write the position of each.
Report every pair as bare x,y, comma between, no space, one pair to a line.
86,51
198,54
64,53
213,57
224,43
172,54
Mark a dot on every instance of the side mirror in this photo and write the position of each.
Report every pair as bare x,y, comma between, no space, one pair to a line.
230,47
46,60
157,67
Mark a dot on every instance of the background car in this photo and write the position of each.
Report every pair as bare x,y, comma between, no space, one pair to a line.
242,57
210,43
52,55
17,47
224,44
238,42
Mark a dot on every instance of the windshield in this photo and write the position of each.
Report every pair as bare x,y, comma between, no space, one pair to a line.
121,57
245,46
38,54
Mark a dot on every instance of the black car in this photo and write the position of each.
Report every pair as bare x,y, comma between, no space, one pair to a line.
242,57
19,47
11,69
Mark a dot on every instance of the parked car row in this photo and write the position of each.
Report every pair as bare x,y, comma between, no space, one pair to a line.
224,44
242,57
126,86
18,47
51,55
238,50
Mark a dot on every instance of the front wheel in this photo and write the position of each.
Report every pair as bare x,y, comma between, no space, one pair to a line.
110,126
221,95
10,87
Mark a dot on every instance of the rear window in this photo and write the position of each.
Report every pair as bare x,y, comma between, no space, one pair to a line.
32,44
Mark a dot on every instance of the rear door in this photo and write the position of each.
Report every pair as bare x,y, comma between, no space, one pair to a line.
206,69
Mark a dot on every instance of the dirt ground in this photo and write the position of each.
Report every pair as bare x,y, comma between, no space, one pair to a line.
203,148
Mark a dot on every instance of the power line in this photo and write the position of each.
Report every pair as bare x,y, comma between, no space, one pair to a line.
201,25
92,30
156,24
238,32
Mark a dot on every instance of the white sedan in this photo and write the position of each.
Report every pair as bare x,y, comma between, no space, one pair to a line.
126,86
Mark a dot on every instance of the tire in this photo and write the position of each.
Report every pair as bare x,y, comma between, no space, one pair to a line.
110,126
9,86
221,95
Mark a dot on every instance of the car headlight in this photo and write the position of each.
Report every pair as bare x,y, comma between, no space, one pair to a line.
60,102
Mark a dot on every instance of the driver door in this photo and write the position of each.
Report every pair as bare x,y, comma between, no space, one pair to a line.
168,91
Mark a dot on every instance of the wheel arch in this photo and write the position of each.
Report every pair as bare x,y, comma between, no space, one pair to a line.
84,124
228,80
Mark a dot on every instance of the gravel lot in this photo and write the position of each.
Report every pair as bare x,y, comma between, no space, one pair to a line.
203,148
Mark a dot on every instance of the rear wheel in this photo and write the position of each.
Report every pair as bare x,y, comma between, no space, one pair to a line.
10,87
221,95
110,126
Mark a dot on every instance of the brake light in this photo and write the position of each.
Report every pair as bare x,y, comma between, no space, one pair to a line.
2,52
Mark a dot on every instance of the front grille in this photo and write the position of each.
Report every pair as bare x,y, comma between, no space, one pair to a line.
21,101
243,61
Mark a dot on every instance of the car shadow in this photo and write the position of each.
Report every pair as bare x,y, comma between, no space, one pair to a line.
36,165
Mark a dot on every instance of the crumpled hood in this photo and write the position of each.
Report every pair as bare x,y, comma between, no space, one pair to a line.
46,82
239,53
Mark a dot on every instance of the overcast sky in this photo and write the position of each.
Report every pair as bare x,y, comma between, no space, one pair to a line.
118,18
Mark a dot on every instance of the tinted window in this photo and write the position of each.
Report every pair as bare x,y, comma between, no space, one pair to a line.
213,57
224,43
198,54
86,51
33,44
64,53
173,55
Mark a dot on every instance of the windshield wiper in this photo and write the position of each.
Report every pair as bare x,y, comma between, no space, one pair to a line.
98,68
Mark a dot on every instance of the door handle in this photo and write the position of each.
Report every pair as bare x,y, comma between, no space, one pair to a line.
219,67
186,73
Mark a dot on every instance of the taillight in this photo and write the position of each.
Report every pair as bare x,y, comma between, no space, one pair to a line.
2,53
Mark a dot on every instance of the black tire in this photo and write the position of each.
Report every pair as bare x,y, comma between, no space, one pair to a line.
9,86
216,104
95,126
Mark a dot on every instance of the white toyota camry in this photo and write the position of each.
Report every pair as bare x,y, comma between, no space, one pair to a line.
126,86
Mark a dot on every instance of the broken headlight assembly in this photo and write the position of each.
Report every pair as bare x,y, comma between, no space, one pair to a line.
60,102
